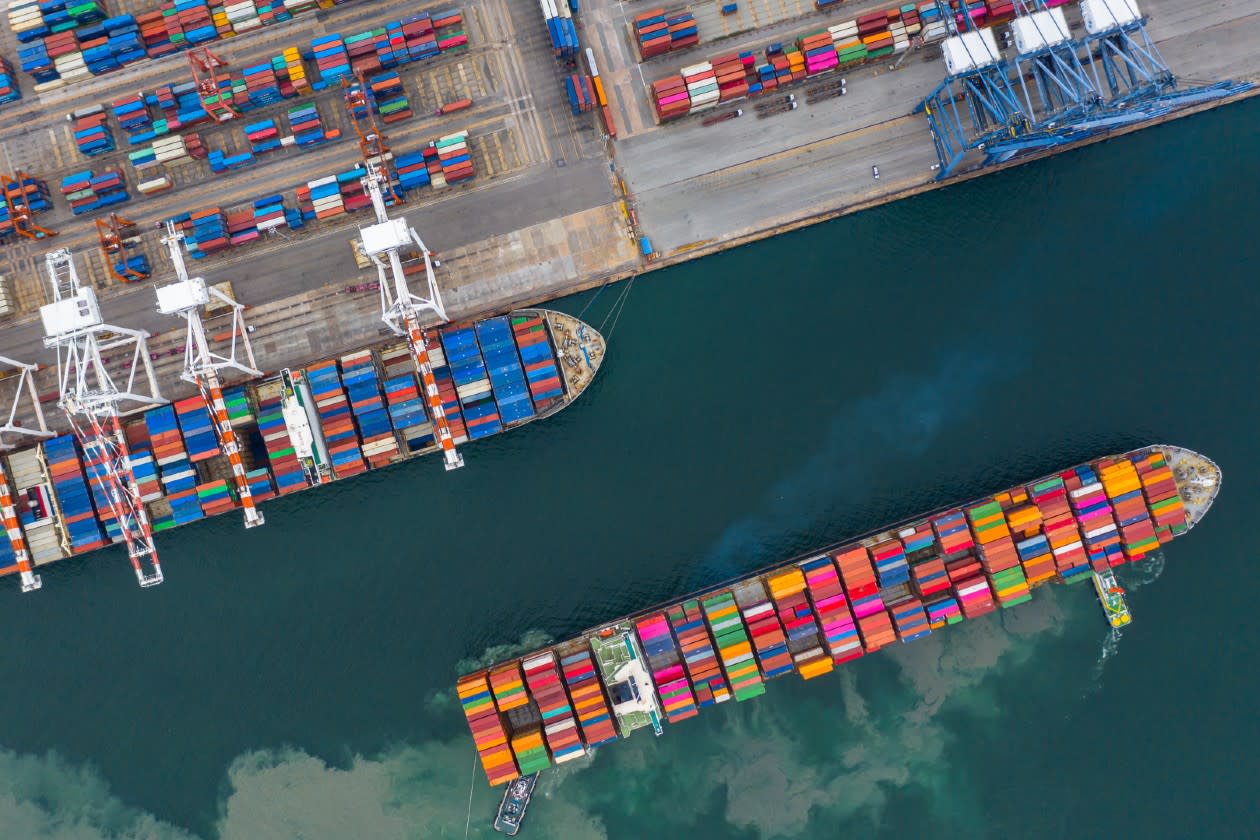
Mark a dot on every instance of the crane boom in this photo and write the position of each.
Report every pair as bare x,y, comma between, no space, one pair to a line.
90,399
184,298
401,309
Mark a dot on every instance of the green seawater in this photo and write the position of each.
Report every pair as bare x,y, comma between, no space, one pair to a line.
297,680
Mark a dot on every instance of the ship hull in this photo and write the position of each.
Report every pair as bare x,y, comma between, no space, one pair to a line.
334,419
901,582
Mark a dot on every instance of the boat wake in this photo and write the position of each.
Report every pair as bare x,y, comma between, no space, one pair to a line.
1131,577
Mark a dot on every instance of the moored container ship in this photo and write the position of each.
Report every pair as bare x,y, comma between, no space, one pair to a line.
333,419
817,611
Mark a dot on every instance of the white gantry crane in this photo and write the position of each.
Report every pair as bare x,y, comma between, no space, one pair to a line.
91,399
402,309
185,298
25,385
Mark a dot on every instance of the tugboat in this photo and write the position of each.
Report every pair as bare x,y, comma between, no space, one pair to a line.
1111,596
515,801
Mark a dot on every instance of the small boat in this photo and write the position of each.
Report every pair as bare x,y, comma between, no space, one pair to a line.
515,801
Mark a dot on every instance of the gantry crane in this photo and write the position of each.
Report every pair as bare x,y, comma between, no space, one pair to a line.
205,67
20,214
401,308
1111,77
185,298
91,400
113,233
8,507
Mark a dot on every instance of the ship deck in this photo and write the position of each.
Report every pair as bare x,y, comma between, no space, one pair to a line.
1198,478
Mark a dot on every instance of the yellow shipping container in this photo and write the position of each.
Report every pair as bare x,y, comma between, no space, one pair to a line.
786,583
815,667
528,741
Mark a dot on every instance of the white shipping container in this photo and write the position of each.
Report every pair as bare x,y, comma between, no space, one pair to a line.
154,185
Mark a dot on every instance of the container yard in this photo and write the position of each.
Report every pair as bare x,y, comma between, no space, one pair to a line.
814,613
292,151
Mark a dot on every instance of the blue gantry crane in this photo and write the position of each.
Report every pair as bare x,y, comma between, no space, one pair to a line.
1055,88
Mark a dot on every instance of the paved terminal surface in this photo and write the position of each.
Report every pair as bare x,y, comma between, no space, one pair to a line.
545,214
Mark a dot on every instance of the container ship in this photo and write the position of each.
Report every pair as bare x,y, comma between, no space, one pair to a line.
820,610
304,427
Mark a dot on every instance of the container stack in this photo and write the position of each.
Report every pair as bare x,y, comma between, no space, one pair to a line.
402,394
698,653
200,440
487,728
176,470
890,563
1036,558
219,162
658,32
1059,527
507,378
581,93
413,171
306,126
527,743
92,136
559,20
325,195
446,388
354,194
481,415
1093,515
998,556
70,487
952,533
666,667
1162,497
1124,488
10,91
768,639
98,483
943,610
335,419
268,213
819,50
594,717
910,619
670,98
858,576
293,72
839,631
331,59
363,386
241,227
132,114
787,588
285,466
215,497
560,727
389,99
143,465
263,136
261,487
87,191
541,373
454,159
733,646
929,577
702,86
